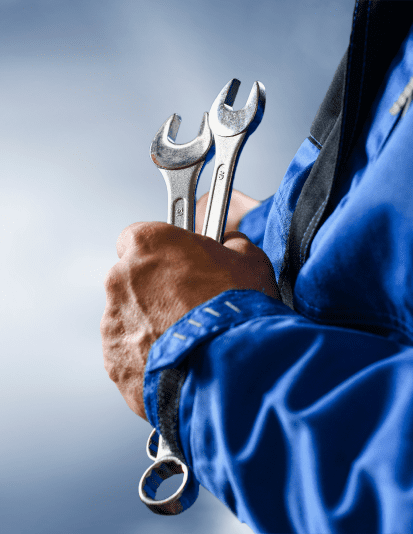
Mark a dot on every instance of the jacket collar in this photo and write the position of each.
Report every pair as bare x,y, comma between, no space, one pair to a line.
378,30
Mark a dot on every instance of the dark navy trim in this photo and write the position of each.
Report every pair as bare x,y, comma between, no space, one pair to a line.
168,395
315,142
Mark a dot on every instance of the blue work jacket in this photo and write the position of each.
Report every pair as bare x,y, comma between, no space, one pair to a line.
298,415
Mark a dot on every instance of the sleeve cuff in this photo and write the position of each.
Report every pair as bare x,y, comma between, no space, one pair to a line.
165,370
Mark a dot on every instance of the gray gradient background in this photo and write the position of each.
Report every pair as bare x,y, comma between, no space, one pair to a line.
84,87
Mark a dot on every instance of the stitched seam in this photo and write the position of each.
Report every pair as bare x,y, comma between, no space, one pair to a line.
286,225
302,253
285,221
284,280
286,228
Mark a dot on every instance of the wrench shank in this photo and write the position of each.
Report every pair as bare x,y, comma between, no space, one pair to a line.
181,185
221,186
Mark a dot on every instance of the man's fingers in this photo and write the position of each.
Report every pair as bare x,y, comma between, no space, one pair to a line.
259,262
239,242
127,238
200,212
145,235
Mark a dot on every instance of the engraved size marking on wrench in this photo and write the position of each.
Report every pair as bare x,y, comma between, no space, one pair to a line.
221,172
179,209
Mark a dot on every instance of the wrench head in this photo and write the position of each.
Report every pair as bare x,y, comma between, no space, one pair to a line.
226,122
166,154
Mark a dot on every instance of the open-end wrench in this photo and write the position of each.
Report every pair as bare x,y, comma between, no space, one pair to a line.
231,130
180,165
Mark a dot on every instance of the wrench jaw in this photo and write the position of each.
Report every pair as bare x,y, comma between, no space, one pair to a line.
166,154
181,165
231,130
172,126
260,110
229,93
255,122
226,122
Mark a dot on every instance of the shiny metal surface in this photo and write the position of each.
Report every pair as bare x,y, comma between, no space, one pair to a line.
165,466
166,154
181,185
181,165
224,121
231,130
221,186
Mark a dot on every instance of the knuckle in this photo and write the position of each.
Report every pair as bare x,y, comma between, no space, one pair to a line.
145,231
112,325
138,231
105,326
113,279
111,369
143,236
129,236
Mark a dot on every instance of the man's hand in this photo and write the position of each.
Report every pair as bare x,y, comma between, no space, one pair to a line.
163,273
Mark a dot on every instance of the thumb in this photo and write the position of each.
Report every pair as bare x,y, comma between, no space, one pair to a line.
239,242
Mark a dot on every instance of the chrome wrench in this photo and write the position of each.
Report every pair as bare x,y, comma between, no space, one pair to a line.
180,165
231,130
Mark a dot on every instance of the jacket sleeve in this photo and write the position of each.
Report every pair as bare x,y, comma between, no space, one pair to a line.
295,426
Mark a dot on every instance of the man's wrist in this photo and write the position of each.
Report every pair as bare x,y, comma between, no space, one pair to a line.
166,366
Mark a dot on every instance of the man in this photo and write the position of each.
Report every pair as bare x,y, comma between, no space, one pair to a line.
280,365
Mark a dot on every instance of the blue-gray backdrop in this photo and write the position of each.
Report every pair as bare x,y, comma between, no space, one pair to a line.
84,86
